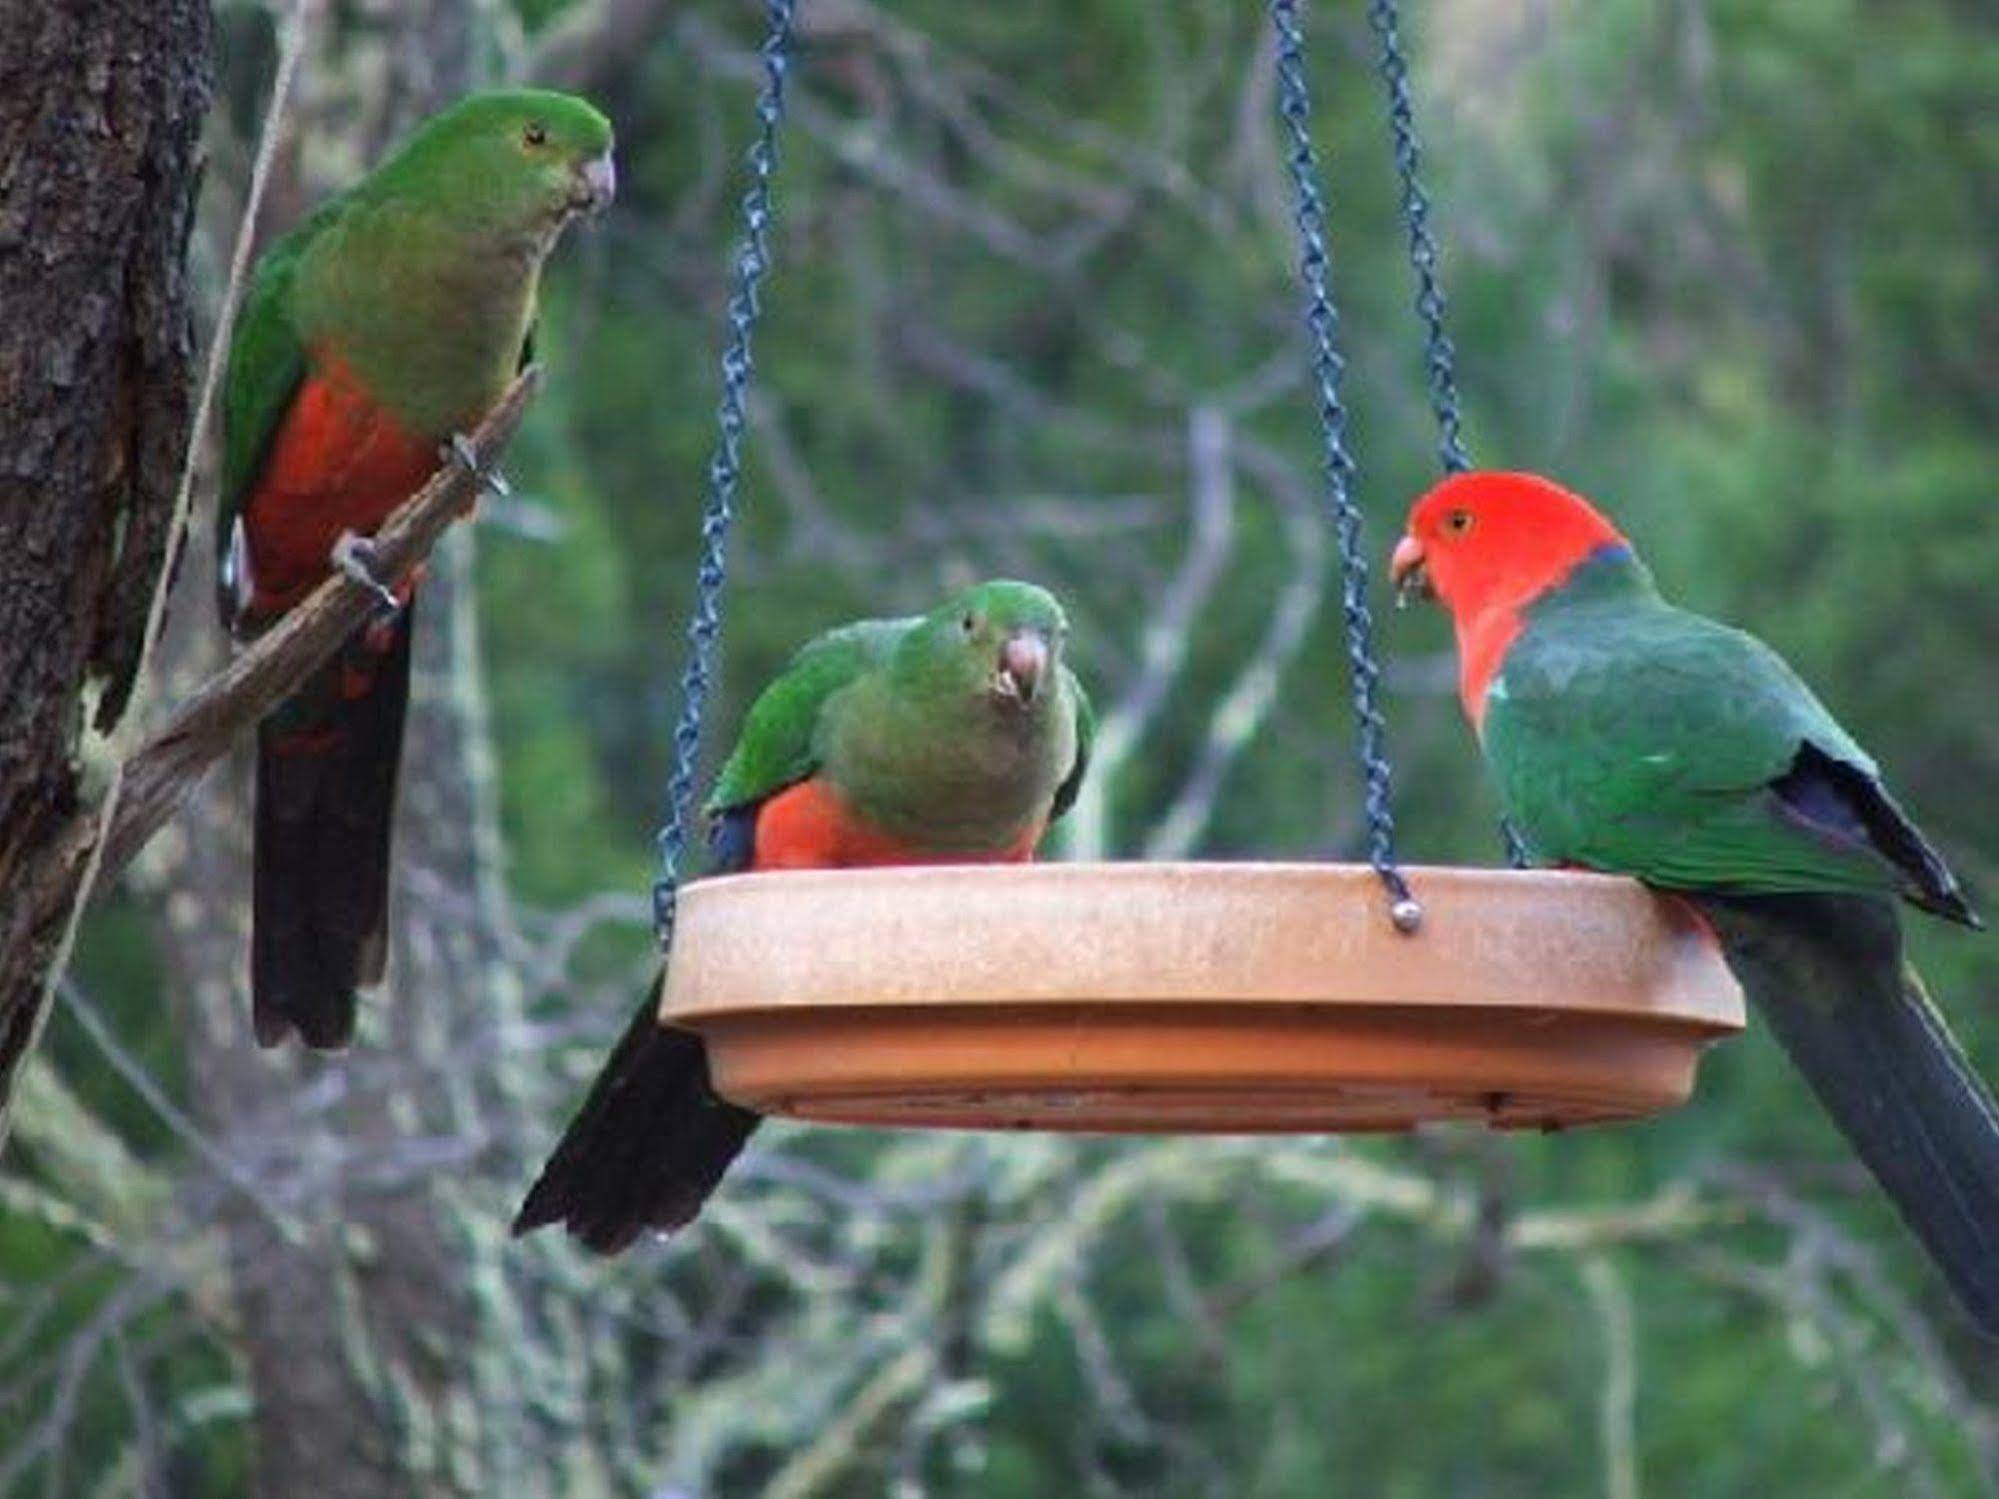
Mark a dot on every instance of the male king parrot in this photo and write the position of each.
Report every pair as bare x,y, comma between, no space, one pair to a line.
372,335
954,738
1627,735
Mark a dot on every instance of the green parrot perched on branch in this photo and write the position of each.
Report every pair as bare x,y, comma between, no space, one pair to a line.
1627,735
372,336
953,738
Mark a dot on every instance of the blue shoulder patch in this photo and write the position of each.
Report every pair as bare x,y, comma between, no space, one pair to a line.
732,839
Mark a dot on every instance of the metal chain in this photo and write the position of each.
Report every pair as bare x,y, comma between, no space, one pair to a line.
725,469
1439,354
1322,324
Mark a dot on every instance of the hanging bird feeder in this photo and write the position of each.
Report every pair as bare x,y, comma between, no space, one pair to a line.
1194,997
1178,997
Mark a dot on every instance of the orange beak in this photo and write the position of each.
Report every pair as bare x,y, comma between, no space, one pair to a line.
1407,571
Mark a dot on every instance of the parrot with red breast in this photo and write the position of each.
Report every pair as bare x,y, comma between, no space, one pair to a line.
372,337
955,737
1627,735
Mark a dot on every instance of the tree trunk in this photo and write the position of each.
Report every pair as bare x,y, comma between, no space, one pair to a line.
101,111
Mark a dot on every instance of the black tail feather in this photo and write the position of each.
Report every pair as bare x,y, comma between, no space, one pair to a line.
327,765
649,1145
1827,975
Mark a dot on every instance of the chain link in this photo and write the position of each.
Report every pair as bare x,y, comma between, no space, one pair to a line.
1439,354
1322,323
725,469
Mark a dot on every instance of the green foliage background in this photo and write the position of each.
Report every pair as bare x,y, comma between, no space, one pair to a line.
1727,266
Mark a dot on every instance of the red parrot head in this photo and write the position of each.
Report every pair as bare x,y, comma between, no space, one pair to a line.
1484,541
1485,546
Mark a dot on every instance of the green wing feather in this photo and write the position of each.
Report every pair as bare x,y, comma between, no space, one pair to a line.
1635,737
778,746
1086,734
267,364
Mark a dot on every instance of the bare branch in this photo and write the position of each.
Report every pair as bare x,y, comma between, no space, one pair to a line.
593,41
861,148
1617,1421
142,1082
1244,709
1168,633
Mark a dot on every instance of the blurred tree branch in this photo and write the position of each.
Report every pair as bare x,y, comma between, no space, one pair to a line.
1167,634
593,40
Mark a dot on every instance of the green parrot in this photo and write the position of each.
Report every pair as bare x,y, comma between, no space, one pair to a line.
371,337
954,738
1627,735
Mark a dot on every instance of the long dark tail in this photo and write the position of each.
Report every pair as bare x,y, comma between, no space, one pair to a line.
326,796
1826,973
649,1145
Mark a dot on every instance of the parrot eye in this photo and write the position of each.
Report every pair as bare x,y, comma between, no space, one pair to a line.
535,134
968,624
1458,522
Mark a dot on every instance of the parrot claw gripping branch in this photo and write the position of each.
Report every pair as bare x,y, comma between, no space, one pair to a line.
354,557
458,449
1136,997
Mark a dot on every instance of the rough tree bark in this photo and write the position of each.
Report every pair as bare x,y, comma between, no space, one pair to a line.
101,111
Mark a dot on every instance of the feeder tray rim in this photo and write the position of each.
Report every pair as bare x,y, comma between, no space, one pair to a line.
1578,880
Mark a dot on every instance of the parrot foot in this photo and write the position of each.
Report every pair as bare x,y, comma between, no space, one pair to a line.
458,452
353,558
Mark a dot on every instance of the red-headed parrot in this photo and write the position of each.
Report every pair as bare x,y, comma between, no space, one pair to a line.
1627,735
372,336
953,738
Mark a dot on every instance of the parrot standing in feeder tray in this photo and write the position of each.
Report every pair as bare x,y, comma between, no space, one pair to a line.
1627,735
371,338
953,738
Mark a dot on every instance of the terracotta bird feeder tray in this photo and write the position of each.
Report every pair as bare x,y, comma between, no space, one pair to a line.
1195,998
